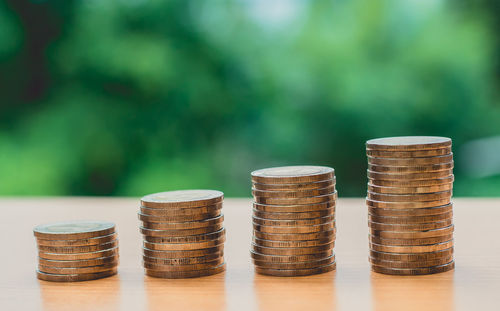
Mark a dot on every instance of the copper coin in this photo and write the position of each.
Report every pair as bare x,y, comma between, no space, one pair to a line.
74,230
409,176
294,208
289,244
412,183
410,190
184,246
80,242
187,239
79,270
182,199
411,161
410,169
295,265
185,274
405,143
79,256
410,219
295,201
401,242
292,174
78,263
172,268
293,223
188,225
180,232
407,205
293,194
174,219
77,249
411,256
75,277
290,258
183,261
295,187
413,234
180,212
410,227
424,197
292,251
182,254
303,229
408,154
411,211
296,272
294,236
411,248
294,216
415,271
410,264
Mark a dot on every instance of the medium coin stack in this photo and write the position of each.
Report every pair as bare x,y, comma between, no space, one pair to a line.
183,233
293,220
410,214
76,251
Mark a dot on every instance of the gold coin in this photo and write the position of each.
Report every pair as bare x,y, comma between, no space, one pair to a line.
411,161
182,212
294,265
79,256
295,216
289,244
293,194
74,230
292,174
296,272
182,254
183,261
413,256
413,234
412,183
415,271
410,176
79,270
410,227
295,187
411,248
410,169
425,197
172,268
294,208
405,143
294,236
180,232
410,264
296,201
174,219
303,229
75,277
290,258
293,223
78,263
407,205
184,246
210,222
410,190
408,154
187,239
77,249
81,242
292,251
402,242
410,219
182,199
410,211
185,274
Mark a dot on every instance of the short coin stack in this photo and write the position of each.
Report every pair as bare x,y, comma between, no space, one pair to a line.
410,181
76,251
183,233
293,220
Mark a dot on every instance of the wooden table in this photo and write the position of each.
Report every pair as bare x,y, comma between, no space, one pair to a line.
474,284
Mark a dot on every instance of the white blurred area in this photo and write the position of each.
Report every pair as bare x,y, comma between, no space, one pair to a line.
481,158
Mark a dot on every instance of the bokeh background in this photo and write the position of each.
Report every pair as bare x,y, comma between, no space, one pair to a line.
129,97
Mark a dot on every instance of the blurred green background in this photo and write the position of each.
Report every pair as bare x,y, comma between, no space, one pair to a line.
132,97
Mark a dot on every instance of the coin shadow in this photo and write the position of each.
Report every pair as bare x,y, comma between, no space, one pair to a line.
425,292
296,293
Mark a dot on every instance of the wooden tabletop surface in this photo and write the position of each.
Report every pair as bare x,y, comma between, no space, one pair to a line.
475,283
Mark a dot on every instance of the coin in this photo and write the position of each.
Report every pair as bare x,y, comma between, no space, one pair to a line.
188,225
294,236
78,249
292,174
407,205
185,274
295,272
412,256
180,232
401,242
172,268
184,246
179,212
410,227
410,219
295,187
415,271
293,194
411,161
411,264
413,234
290,258
410,169
75,277
411,248
410,211
292,251
288,244
78,263
182,254
412,183
295,265
294,201
408,154
405,143
174,219
79,256
410,197
80,242
294,208
183,261
187,239
410,190
182,199
73,230
409,176
303,229
79,270
293,223
294,216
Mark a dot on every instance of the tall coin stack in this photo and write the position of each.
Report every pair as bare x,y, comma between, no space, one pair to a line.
293,220
410,182
183,233
76,251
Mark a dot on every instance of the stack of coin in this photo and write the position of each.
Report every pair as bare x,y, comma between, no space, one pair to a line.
293,220
76,251
410,181
183,233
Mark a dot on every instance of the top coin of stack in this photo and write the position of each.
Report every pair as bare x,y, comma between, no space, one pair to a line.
76,251
410,182
293,220
183,233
